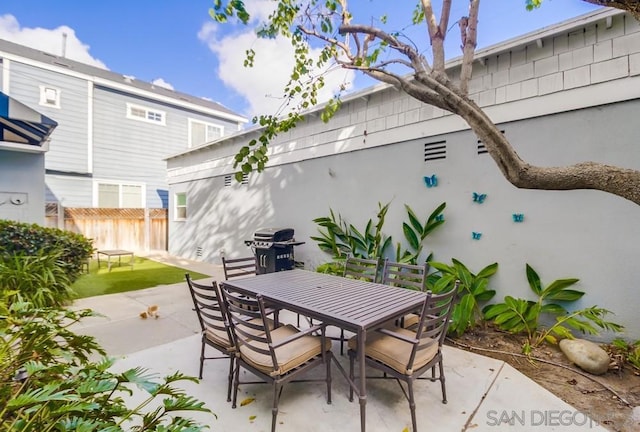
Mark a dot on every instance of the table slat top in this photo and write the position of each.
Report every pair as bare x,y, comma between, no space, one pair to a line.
349,303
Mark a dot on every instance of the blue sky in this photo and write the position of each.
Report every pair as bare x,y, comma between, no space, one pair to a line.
175,42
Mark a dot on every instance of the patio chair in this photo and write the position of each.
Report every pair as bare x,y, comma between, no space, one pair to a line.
361,269
239,267
215,331
409,276
405,355
276,356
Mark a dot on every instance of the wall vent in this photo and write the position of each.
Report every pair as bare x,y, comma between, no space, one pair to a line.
435,150
481,148
229,180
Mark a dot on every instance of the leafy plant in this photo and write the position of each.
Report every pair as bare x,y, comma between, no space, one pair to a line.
415,232
335,267
40,278
472,291
340,238
30,239
49,383
629,351
517,315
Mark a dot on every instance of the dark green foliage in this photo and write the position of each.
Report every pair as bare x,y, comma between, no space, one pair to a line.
49,383
518,315
473,291
340,238
18,238
39,278
415,232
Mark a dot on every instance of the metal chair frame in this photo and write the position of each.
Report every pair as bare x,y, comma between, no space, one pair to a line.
239,267
243,312
432,329
209,308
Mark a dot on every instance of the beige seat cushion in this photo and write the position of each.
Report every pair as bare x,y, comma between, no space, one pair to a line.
394,352
410,320
220,338
289,356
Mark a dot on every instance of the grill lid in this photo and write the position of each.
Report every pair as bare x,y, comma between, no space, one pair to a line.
273,235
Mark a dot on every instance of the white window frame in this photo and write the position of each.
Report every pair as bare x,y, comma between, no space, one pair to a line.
147,112
176,207
120,184
206,124
45,101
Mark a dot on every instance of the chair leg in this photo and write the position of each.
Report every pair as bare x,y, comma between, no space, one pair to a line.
201,358
277,391
341,341
412,405
444,391
351,375
327,359
230,383
236,382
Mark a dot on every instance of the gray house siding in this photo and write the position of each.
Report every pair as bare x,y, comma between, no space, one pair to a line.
373,152
68,146
96,141
21,195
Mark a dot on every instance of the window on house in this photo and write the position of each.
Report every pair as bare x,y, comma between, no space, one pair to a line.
150,115
181,206
119,195
49,96
201,132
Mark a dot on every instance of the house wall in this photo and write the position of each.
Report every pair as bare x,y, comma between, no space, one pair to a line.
95,141
373,152
21,180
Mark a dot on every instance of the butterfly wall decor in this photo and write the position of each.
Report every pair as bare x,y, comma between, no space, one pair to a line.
476,235
479,198
518,217
440,217
431,181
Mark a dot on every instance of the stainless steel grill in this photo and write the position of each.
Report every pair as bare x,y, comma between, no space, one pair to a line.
273,248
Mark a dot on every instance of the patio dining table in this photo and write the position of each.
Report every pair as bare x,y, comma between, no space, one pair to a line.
354,305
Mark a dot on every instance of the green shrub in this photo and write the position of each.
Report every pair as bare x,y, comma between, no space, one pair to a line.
517,315
39,278
50,384
18,238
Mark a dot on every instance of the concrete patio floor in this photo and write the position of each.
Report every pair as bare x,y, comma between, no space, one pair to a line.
483,394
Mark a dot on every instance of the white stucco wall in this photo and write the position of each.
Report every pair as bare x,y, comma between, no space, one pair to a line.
22,186
373,151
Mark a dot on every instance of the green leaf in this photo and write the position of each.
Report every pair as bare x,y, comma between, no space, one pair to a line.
410,236
567,295
413,219
488,271
534,280
557,286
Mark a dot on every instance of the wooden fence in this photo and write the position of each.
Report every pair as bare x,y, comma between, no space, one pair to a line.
113,228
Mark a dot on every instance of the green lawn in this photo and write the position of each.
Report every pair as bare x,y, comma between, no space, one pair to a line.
145,274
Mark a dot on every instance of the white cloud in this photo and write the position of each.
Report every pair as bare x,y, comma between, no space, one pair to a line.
162,83
262,85
48,40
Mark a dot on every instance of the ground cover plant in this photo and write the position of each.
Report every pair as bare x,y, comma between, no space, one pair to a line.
517,315
146,273
48,382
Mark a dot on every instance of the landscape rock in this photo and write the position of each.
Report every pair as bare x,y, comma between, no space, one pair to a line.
586,355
